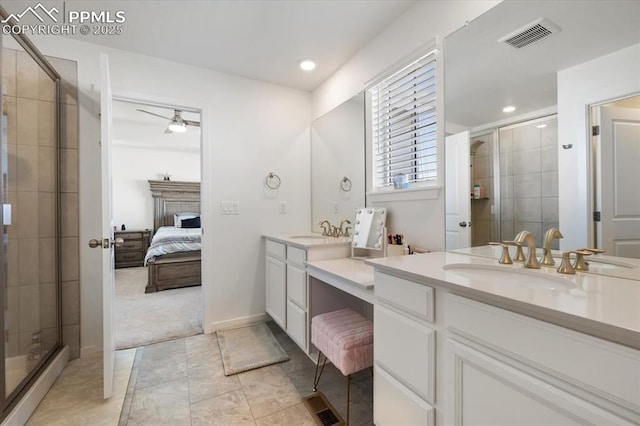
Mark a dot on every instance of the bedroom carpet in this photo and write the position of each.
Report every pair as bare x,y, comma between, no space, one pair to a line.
247,348
141,319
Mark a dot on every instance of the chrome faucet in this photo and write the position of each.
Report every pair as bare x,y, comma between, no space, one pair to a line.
345,232
526,237
547,258
326,228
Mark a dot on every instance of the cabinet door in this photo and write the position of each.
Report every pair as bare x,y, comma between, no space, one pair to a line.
276,281
489,391
297,324
297,286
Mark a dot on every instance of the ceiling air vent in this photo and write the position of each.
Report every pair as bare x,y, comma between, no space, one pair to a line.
530,34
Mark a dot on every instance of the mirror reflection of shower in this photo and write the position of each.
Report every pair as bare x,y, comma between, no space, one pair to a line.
525,196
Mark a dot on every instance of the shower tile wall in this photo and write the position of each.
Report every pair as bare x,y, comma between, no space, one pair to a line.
529,179
31,293
484,225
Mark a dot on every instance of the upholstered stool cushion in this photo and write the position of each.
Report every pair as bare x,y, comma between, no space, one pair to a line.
345,338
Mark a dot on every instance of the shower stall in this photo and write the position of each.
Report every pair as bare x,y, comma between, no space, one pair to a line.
517,167
35,121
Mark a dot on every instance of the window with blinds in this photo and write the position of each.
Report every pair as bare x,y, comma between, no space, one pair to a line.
404,125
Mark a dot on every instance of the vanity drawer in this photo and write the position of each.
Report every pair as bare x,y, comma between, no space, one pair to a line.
297,285
275,249
393,404
412,298
406,349
296,255
297,324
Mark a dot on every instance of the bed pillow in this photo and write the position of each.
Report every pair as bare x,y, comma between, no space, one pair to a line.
177,218
194,222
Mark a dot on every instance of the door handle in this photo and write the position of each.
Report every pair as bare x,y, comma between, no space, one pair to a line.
463,224
105,243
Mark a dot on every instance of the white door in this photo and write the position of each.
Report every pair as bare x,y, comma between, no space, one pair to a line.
457,191
107,227
619,233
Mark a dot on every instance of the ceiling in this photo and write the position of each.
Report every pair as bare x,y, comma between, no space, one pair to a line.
135,129
263,40
483,75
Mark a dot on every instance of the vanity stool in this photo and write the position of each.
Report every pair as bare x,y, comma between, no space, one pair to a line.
346,339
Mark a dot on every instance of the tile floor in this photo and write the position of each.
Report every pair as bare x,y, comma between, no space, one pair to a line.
181,382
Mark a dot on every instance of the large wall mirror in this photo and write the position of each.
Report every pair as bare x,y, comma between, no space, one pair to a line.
514,156
337,163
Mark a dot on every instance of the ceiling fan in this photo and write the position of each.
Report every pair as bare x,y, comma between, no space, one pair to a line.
177,124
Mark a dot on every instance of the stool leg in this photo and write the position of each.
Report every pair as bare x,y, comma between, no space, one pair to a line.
348,396
316,376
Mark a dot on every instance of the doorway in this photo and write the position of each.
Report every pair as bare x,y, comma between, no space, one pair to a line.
616,155
147,147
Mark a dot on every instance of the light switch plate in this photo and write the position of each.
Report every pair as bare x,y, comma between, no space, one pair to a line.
229,207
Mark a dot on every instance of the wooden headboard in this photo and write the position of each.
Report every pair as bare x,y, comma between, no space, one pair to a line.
171,197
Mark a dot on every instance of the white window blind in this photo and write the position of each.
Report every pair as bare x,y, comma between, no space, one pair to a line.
404,125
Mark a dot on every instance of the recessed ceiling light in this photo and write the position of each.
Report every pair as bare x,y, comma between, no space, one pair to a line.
508,109
307,65
541,126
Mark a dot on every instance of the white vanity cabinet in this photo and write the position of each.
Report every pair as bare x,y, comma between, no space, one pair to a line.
276,282
503,367
404,352
287,281
474,363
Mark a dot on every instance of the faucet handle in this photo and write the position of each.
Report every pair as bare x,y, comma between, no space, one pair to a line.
519,253
565,265
593,250
346,231
505,258
580,264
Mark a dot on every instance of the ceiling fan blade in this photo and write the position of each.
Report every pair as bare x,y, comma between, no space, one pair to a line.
191,123
153,113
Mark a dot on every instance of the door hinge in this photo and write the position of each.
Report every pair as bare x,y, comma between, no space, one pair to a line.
596,216
595,130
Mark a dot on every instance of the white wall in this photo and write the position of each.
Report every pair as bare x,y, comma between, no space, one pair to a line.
605,78
249,128
133,167
421,220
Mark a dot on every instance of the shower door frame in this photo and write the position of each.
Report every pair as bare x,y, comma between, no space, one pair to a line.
8,402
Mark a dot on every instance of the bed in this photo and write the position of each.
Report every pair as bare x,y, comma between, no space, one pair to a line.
174,262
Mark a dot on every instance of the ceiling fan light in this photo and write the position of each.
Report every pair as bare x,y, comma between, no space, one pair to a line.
177,127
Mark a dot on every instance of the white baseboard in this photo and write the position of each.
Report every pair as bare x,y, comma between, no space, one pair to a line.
29,402
237,322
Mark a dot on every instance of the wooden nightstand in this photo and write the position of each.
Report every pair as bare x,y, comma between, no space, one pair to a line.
134,249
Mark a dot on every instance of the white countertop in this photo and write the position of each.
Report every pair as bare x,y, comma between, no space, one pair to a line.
602,306
354,271
599,264
306,240
350,275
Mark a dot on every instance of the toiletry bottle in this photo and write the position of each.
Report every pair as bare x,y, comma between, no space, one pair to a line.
476,191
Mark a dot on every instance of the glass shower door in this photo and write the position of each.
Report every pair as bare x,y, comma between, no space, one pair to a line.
29,193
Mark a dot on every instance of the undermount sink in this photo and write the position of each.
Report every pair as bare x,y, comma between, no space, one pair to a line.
498,275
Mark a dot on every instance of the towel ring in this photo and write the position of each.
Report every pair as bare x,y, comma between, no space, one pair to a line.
272,181
345,184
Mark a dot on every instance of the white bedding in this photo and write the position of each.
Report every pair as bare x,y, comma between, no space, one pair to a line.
169,239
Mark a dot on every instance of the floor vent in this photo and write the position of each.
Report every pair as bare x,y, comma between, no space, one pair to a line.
322,411
530,34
